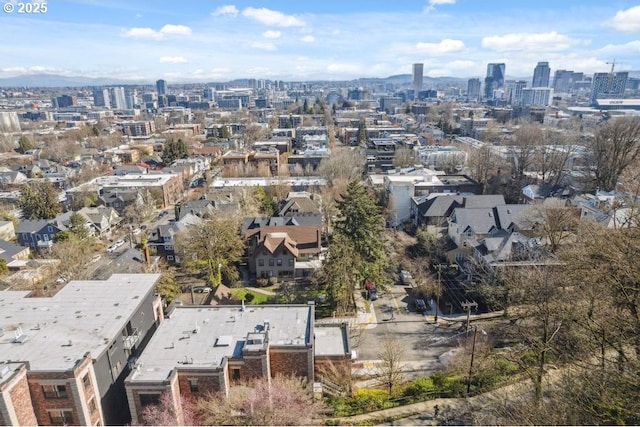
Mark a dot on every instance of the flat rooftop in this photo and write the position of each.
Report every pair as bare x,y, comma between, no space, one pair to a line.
263,182
85,316
202,336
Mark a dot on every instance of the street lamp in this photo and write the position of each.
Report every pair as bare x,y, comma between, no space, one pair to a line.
473,352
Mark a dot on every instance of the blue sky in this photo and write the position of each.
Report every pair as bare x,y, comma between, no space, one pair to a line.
188,40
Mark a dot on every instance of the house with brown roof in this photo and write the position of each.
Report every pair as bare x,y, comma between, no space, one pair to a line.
285,252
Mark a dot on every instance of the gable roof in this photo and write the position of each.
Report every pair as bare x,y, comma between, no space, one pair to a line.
9,250
480,220
35,225
272,241
305,237
251,223
299,205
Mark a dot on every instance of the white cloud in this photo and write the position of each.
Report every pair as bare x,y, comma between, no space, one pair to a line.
270,34
227,10
433,3
443,47
541,42
626,20
264,46
173,60
150,33
180,30
272,17
308,39
142,33
343,68
630,48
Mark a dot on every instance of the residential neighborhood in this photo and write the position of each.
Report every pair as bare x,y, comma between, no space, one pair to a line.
371,251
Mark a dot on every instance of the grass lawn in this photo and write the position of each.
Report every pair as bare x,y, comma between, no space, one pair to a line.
241,293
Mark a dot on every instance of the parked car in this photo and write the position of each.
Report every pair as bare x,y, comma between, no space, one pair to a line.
202,290
421,306
372,294
406,278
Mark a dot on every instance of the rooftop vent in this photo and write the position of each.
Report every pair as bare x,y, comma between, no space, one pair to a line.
223,341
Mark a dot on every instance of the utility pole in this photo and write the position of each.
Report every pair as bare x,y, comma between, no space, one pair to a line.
468,306
473,352
439,266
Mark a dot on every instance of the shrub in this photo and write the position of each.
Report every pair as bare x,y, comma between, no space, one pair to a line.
273,281
368,400
261,282
419,387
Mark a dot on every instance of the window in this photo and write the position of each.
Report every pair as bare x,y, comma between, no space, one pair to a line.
169,257
50,229
168,247
271,262
147,399
55,391
292,262
261,262
61,418
279,262
86,381
235,374
92,405
193,385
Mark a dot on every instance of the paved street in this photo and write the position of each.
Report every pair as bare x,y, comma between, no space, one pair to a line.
394,313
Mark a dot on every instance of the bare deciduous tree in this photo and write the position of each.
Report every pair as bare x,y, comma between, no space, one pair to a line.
614,147
392,363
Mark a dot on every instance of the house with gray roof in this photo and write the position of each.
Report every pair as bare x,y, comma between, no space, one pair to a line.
163,237
38,234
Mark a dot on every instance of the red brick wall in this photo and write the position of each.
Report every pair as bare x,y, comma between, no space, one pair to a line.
21,400
207,382
254,366
291,362
41,404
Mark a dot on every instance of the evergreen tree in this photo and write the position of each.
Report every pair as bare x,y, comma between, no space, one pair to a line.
25,144
77,225
174,150
362,224
39,200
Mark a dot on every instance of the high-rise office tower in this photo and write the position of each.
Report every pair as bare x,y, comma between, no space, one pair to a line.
473,89
118,99
161,87
541,75
537,96
608,85
418,71
131,98
494,79
563,81
101,98
513,91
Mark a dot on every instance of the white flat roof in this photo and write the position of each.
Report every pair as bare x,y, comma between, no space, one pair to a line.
86,314
221,332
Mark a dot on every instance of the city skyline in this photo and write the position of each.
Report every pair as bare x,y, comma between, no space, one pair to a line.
221,41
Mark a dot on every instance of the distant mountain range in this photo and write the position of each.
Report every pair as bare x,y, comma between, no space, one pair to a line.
55,80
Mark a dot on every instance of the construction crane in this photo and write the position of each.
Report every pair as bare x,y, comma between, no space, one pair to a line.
610,84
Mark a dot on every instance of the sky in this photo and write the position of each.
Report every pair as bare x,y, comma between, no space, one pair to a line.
305,40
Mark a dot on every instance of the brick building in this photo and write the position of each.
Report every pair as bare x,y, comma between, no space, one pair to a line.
207,349
65,357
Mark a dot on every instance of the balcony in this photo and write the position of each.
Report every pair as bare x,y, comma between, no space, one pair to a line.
131,340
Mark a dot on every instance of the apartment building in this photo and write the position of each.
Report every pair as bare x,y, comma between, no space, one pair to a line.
208,349
65,357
